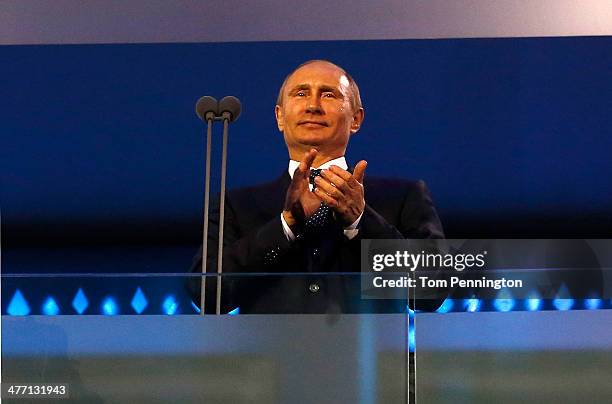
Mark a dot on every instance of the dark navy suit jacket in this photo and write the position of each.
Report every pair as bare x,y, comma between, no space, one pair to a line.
254,242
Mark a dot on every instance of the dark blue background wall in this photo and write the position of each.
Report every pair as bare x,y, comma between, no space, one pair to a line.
100,144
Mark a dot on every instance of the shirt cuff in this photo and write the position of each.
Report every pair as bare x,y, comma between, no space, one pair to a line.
287,230
351,231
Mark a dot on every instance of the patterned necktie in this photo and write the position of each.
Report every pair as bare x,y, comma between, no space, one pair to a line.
323,216
315,172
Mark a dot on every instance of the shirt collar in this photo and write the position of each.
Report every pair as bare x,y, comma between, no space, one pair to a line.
340,162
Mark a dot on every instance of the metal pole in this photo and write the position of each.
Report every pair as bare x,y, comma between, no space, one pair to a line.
222,213
209,121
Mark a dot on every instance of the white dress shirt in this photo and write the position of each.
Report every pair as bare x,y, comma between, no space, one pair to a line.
351,231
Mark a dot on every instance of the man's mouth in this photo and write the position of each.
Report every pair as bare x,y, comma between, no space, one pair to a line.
312,123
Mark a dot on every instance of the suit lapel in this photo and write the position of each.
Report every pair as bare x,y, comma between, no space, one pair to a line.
273,198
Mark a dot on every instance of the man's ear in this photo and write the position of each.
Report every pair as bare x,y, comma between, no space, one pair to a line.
280,121
357,120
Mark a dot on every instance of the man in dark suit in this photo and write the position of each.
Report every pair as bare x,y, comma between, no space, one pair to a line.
312,221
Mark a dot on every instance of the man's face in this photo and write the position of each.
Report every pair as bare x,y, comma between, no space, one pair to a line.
317,111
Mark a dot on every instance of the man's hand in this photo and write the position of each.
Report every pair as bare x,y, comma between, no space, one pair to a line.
343,191
300,202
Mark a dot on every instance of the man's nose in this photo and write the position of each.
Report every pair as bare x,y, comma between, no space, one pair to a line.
314,106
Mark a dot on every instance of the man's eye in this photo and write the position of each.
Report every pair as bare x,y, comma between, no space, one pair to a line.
329,95
300,94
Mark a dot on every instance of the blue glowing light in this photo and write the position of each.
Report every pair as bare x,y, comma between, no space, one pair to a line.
18,305
234,312
109,307
139,301
170,305
195,307
504,301
563,301
563,304
472,305
50,307
533,302
592,304
446,306
504,305
411,329
80,302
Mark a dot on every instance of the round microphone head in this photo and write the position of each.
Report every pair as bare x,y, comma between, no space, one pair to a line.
231,105
205,106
